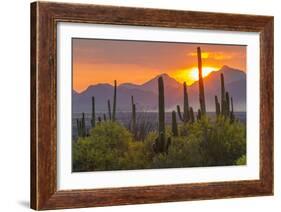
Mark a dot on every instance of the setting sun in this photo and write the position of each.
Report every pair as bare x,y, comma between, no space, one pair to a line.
193,72
190,75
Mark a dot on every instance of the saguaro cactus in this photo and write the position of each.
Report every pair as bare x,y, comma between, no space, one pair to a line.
223,99
174,124
201,83
186,117
109,109
160,145
227,105
78,127
161,108
133,121
81,126
217,106
93,120
191,115
232,117
114,101
226,102
199,114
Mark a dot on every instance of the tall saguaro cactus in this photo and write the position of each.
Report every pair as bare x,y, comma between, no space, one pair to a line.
161,145
223,99
227,104
201,83
161,108
93,121
133,126
114,101
174,124
186,116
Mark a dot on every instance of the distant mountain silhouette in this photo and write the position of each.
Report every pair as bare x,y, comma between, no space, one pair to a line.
146,95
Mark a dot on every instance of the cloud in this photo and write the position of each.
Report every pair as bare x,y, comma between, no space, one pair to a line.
213,55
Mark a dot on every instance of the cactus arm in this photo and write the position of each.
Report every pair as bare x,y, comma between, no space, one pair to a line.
179,113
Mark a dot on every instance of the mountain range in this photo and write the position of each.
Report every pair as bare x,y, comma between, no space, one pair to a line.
146,95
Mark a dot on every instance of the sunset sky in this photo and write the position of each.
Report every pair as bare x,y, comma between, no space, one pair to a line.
102,61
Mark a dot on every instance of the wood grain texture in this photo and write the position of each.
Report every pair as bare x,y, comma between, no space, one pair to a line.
44,18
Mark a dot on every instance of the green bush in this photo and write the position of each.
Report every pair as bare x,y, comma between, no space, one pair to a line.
205,143
104,149
242,160
182,153
111,146
221,142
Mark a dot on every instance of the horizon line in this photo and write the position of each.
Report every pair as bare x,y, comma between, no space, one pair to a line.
106,83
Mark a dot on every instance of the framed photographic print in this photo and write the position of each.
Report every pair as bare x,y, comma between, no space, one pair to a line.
135,105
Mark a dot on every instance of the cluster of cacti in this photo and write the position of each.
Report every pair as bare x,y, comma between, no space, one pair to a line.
188,115
81,126
161,143
225,108
185,117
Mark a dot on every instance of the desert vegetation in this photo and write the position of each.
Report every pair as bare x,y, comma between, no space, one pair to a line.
191,140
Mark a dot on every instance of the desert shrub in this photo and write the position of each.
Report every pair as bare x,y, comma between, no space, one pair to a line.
135,157
182,153
205,143
104,149
110,146
143,127
221,142
242,160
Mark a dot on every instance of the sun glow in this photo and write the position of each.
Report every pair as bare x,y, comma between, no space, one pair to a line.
193,72
190,75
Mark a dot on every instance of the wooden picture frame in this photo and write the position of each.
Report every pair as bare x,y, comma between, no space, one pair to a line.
44,19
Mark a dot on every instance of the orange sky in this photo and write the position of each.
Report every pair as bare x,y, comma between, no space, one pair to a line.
103,61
